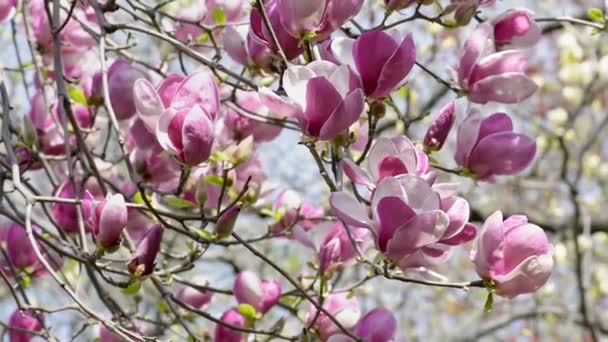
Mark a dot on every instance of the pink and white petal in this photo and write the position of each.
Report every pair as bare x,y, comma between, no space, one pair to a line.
279,106
345,115
162,131
234,44
197,135
420,195
199,88
424,229
112,220
168,87
505,88
509,61
468,131
356,174
502,154
474,48
295,82
489,247
495,123
528,277
349,210
382,148
468,233
340,78
446,190
397,68
458,211
391,214
148,103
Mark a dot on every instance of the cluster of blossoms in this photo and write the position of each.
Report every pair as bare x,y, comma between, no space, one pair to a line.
191,146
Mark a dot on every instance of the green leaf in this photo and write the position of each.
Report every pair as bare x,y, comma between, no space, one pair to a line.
204,234
218,15
596,14
26,281
248,311
133,288
219,156
202,38
77,95
215,179
179,202
489,302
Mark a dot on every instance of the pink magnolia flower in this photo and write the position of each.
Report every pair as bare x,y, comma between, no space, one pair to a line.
382,61
406,215
24,321
188,134
66,215
181,112
224,333
438,131
488,76
245,48
459,231
489,147
261,294
322,96
225,223
155,167
19,250
378,325
343,307
321,17
106,219
294,210
390,157
261,36
196,298
337,251
513,253
7,10
143,259
515,28
242,126
121,78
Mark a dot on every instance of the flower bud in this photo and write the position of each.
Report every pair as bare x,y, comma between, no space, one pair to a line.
121,78
143,260
515,28
261,294
106,219
225,334
438,131
198,299
225,223
24,321
514,254
378,325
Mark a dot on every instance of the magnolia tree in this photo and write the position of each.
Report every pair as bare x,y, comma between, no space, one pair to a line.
303,170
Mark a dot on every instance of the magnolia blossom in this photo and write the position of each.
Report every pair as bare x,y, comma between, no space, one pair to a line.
292,210
66,215
225,223
343,307
378,325
488,147
383,61
406,216
260,37
181,112
196,298
143,259
487,76
337,251
246,48
260,294
438,131
514,254
106,218
516,28
226,334
19,250
242,126
322,96
320,17
121,78
23,321
390,157
7,9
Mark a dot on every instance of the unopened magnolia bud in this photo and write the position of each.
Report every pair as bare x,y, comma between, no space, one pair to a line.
438,131
243,151
225,224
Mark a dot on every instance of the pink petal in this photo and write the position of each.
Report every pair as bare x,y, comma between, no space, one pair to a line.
504,88
198,88
344,116
347,209
474,48
392,213
503,153
371,52
396,68
147,103
234,45
322,100
197,135
527,277
424,229
356,174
